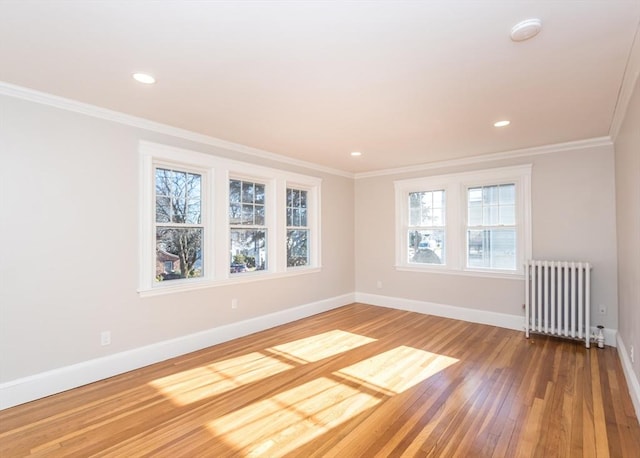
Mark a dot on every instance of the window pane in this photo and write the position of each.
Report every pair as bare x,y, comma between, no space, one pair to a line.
438,217
178,253
475,195
297,247
426,247
194,212
259,193
426,208
248,250
296,208
247,214
163,209
303,217
247,192
490,216
494,248
507,194
490,195
414,216
259,215
178,197
289,216
235,213
235,187
508,215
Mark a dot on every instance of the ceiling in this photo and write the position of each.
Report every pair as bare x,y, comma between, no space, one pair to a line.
404,82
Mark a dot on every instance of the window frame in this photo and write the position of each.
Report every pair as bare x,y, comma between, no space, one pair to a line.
455,186
216,174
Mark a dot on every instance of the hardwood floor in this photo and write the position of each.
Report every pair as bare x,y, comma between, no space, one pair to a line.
356,381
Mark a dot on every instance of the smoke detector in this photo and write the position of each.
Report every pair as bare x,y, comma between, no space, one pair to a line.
526,29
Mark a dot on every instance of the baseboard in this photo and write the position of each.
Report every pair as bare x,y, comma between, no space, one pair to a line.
630,375
502,320
37,386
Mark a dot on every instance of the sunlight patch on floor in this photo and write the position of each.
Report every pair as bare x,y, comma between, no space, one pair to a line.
320,346
213,379
396,370
288,420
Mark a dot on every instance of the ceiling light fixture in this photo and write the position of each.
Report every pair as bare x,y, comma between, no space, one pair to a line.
356,153
526,29
144,78
501,123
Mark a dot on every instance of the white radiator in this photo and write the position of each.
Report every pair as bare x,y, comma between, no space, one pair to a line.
557,299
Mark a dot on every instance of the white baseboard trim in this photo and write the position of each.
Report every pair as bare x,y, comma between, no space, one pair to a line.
37,386
630,375
502,320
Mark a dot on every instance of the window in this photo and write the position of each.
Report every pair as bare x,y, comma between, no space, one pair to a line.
297,228
208,221
426,232
491,227
248,230
472,223
178,224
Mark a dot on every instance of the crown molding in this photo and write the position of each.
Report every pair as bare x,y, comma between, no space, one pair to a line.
479,159
630,77
142,123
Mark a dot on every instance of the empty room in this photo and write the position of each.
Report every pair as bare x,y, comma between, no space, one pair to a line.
320,228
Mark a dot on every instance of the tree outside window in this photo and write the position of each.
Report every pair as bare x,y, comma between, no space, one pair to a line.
248,231
178,224
297,228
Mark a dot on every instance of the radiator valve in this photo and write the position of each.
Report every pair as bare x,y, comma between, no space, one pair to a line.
600,336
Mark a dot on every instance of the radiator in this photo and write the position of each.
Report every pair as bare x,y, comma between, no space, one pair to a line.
557,299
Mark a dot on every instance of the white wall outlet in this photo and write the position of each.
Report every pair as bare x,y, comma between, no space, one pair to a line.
379,284
105,338
234,303
602,309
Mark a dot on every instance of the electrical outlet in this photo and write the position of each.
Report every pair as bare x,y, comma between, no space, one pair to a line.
105,338
602,309
379,284
234,303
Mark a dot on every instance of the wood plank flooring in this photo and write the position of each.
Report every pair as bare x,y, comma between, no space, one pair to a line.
356,381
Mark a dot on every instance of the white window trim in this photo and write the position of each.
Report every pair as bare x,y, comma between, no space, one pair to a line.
455,186
215,195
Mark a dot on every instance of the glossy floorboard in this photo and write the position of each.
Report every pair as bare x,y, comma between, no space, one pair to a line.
357,381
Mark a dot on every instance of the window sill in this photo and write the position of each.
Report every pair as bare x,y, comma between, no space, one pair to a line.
465,272
239,278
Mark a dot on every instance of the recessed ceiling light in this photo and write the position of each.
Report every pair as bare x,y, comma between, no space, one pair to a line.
501,123
144,78
356,153
526,29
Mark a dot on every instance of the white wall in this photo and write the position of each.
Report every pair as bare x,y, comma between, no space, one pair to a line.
69,245
627,147
573,214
